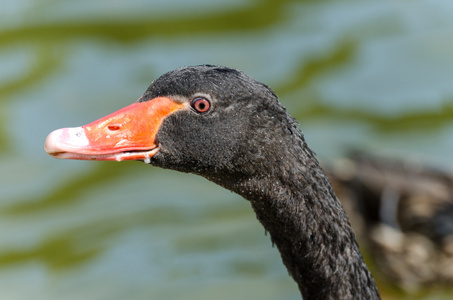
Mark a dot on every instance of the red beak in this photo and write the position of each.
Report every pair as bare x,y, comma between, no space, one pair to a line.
128,134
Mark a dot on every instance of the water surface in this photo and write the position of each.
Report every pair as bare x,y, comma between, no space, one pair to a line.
376,75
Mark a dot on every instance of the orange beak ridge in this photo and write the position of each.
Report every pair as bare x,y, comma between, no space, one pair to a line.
127,134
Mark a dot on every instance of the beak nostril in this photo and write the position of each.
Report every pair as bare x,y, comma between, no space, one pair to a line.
114,127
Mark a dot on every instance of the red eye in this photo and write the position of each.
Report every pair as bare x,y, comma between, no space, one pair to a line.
201,105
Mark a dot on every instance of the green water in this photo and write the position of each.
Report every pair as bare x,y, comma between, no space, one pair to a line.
371,74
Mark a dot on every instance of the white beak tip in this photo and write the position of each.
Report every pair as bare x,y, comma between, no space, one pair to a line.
65,140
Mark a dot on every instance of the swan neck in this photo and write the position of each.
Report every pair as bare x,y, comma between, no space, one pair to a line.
312,232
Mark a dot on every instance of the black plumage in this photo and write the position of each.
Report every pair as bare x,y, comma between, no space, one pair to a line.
249,144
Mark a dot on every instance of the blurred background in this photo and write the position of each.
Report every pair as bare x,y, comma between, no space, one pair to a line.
372,75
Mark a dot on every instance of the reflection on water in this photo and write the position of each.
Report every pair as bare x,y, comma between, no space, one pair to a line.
374,75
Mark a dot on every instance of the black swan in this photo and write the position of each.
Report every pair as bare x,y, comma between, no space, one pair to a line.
403,211
219,123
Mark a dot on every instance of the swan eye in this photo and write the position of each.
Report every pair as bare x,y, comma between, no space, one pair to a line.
201,105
